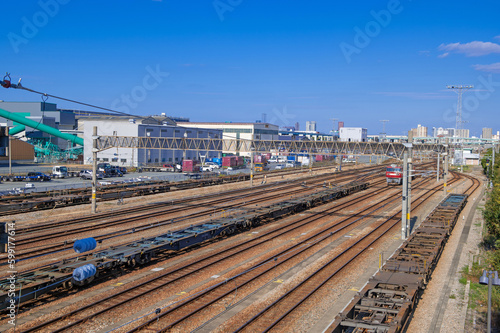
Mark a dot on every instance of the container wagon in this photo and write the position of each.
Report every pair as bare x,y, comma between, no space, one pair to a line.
391,295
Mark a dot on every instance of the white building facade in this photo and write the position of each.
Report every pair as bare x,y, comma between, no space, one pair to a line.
353,134
243,131
135,157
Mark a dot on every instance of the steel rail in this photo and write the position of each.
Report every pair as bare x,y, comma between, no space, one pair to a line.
324,233
216,258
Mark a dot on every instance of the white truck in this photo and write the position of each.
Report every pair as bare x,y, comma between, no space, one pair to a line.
59,171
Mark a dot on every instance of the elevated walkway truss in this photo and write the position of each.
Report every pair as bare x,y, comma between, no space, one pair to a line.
265,146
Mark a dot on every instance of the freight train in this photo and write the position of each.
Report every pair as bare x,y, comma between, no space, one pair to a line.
82,270
388,299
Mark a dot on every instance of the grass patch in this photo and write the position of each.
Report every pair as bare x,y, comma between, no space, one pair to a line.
463,280
478,295
452,296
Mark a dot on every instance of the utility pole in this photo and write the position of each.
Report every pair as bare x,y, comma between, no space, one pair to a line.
445,172
384,135
10,152
445,166
94,169
439,158
251,166
493,160
406,199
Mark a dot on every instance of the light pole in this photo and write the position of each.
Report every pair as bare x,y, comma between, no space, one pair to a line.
490,278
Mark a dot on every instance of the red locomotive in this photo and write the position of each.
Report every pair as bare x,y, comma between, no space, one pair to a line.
394,174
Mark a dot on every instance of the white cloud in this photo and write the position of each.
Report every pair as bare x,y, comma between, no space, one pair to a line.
497,37
492,68
472,49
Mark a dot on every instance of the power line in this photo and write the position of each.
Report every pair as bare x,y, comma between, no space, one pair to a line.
6,83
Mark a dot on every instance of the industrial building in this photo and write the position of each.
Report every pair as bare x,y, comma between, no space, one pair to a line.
42,113
148,128
465,157
353,134
243,131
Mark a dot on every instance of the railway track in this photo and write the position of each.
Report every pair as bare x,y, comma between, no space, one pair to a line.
22,203
166,279
166,321
147,208
406,272
251,196
279,314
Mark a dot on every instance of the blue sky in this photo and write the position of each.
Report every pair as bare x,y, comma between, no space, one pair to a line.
233,60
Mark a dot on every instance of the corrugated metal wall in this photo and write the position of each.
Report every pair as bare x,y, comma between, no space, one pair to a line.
20,151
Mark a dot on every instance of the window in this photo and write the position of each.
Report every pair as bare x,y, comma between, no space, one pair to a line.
105,159
156,160
163,160
114,133
114,159
123,160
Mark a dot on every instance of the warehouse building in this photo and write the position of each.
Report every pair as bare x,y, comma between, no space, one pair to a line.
145,128
244,131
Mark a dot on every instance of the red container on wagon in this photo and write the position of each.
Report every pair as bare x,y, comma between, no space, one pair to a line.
190,166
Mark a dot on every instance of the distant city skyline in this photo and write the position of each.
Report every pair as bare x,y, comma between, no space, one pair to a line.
358,62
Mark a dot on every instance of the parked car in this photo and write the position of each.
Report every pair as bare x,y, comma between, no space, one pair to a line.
123,170
290,165
87,174
34,176
279,166
212,164
169,167
29,185
113,171
273,159
207,168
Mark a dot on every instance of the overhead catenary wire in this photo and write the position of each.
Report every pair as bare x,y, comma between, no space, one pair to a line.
6,83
